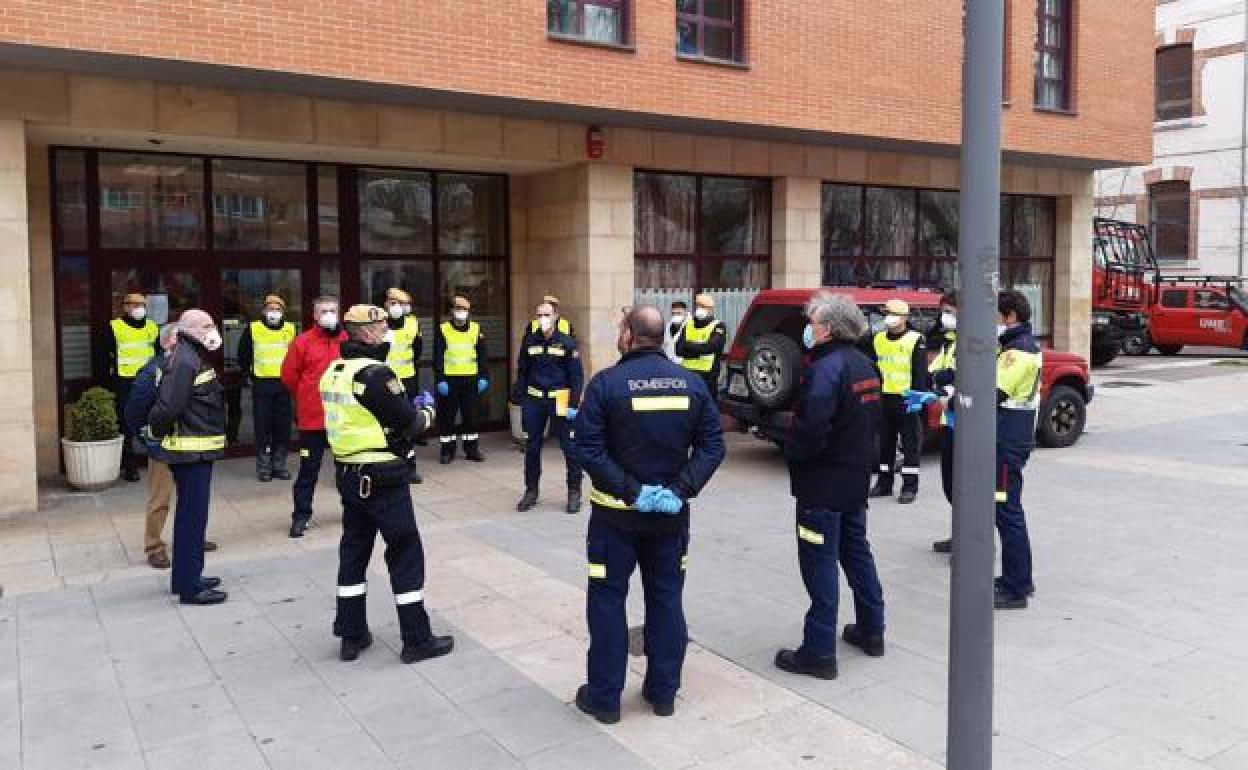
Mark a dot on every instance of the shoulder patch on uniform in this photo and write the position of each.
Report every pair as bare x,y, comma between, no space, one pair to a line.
394,386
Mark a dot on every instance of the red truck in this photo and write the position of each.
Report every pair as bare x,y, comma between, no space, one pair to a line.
1209,311
764,363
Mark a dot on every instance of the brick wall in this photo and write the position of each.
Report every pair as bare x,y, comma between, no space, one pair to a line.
888,70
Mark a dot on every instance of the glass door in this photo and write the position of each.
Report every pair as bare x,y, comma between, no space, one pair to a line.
242,301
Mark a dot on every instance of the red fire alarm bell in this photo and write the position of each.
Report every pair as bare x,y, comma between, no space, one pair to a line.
595,143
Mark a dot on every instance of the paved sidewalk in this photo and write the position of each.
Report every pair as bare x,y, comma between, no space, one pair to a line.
1132,655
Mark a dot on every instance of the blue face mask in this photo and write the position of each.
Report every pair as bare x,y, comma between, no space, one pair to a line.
808,336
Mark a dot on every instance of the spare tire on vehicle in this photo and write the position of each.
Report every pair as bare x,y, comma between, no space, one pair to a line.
772,370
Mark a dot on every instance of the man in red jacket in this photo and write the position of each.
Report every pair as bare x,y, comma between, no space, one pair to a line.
309,356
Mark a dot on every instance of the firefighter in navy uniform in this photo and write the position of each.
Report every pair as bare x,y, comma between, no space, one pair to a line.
902,359
700,343
548,363
459,369
261,351
1019,369
371,425
406,345
128,344
562,324
943,371
648,434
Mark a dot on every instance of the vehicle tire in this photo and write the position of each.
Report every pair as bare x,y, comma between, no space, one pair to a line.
1136,344
1169,350
1062,417
1102,356
772,370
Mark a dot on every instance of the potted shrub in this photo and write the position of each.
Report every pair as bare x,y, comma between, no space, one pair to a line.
92,442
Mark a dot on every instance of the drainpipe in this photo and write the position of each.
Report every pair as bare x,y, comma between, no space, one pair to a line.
1243,147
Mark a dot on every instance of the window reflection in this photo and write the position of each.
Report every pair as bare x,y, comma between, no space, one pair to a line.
151,201
470,214
259,205
396,212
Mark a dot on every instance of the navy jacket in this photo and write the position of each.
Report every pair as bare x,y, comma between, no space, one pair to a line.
830,446
142,398
548,364
1016,429
647,420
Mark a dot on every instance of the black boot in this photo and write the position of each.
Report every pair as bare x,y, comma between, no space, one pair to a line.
789,660
574,499
433,647
871,644
602,715
909,489
473,452
213,596
264,471
943,546
413,475
997,584
448,452
277,465
1003,601
528,500
298,526
353,646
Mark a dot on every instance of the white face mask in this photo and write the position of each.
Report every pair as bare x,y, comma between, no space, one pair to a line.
892,321
212,340
949,321
545,323
328,320
407,309
138,313
678,319
273,316
701,313
1002,329
396,312
459,315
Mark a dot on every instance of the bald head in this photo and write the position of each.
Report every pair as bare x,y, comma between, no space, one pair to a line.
199,326
642,327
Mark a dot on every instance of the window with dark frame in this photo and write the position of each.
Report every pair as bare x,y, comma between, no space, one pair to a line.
701,232
908,238
1174,82
710,29
598,21
1053,49
1169,205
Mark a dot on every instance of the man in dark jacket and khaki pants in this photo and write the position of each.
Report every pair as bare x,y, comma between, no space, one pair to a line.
189,420
829,449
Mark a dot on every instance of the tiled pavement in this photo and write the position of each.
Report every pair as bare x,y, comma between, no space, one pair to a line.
1132,656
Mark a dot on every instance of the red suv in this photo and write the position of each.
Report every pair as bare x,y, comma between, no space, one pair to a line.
764,363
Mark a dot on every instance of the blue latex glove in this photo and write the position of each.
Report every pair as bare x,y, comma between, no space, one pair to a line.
917,399
482,386
949,414
572,412
423,399
667,502
444,389
647,500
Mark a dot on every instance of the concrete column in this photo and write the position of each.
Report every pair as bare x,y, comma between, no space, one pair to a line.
18,491
1072,300
796,213
580,248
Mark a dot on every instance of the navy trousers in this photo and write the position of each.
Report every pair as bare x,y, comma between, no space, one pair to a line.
386,510
1012,522
312,446
121,394
190,521
946,462
534,415
271,415
613,554
825,538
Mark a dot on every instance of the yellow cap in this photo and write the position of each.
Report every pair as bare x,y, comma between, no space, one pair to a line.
897,307
398,295
273,299
551,299
364,314
461,303
134,298
704,300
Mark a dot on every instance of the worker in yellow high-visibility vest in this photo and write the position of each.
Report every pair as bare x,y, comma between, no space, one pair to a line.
261,352
902,360
459,369
129,343
406,345
700,343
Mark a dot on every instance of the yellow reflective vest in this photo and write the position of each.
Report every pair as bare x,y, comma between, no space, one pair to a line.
355,435
460,359
699,336
402,357
134,346
269,348
563,326
1018,377
895,357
